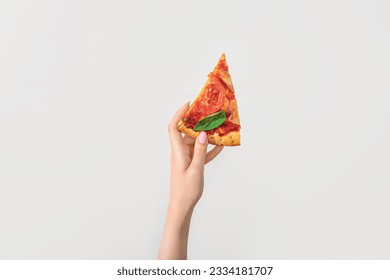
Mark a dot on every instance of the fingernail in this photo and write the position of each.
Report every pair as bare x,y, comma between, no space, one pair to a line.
202,137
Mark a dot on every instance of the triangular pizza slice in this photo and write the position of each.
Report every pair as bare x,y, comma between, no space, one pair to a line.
215,104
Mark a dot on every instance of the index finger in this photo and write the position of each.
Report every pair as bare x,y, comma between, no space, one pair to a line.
174,134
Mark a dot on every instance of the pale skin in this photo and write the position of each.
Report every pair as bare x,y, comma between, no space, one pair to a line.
188,158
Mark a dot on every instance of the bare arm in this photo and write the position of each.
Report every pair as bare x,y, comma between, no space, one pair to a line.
188,157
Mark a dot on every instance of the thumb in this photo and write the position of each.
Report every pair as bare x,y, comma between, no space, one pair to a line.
200,150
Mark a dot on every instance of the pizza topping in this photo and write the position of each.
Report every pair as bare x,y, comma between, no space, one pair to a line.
222,65
225,128
211,122
215,96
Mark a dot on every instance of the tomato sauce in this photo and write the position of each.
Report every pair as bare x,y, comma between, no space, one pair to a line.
223,65
225,128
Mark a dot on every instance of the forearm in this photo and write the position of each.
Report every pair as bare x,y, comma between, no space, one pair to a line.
175,238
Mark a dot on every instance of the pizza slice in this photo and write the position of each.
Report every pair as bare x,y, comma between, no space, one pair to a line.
215,110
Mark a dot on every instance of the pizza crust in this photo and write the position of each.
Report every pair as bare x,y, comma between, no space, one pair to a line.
230,139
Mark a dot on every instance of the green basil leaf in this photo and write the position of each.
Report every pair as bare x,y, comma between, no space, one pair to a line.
211,121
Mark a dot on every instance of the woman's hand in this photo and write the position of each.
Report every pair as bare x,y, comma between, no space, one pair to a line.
188,157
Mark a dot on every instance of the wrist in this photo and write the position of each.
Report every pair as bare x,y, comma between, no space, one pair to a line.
179,213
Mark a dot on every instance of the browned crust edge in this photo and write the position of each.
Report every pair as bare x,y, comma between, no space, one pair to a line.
230,139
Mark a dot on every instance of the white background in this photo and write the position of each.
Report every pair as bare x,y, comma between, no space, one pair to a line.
87,89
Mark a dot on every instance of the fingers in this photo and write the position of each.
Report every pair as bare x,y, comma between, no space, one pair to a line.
188,140
200,150
174,134
213,153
